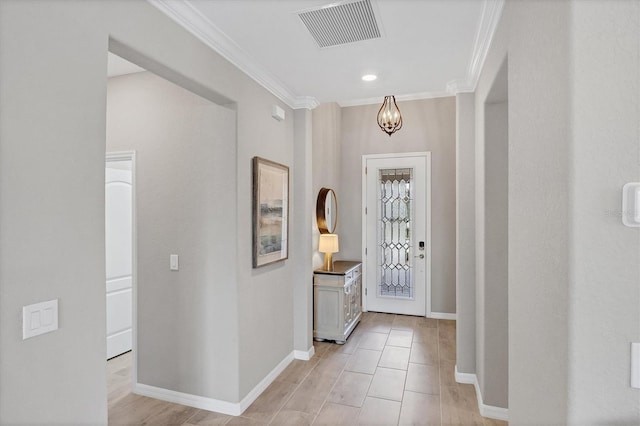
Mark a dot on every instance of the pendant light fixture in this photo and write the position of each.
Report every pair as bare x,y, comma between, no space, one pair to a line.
389,117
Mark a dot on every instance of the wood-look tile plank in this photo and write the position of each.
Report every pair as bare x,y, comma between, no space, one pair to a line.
331,364
376,411
377,327
402,338
350,345
350,389
207,418
447,349
312,392
395,357
363,361
447,372
427,322
321,347
447,329
374,341
420,409
377,322
169,414
494,422
457,409
336,415
245,421
426,335
423,378
298,370
422,353
404,322
388,384
293,418
267,405
133,410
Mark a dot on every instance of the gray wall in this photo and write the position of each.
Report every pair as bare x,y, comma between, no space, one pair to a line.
52,110
572,271
185,152
303,226
326,170
495,359
539,249
465,234
604,283
52,138
492,237
429,125
534,36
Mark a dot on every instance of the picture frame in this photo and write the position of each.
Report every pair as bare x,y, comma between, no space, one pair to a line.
270,212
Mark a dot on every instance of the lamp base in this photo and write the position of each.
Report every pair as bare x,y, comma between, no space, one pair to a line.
328,262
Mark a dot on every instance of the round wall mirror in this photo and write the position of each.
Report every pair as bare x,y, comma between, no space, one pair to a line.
327,211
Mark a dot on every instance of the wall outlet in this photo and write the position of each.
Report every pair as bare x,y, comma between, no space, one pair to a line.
39,318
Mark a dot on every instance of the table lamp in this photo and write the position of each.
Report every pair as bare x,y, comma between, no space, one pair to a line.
328,245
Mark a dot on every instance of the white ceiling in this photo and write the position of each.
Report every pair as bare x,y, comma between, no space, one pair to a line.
428,47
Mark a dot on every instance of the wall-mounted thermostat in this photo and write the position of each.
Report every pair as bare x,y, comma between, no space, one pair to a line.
631,204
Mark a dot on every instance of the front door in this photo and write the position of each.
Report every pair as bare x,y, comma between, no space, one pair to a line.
396,233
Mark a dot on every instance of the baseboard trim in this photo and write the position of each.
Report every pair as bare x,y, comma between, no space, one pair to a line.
443,316
490,411
305,355
211,404
466,378
264,383
201,402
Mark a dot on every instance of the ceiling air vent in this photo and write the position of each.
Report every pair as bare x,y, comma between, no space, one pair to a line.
341,23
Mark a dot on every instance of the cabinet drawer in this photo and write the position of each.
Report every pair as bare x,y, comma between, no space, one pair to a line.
328,280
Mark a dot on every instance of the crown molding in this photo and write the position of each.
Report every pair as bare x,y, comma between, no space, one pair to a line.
399,98
459,86
491,13
305,102
187,16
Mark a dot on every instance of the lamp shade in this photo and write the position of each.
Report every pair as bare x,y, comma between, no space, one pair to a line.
328,243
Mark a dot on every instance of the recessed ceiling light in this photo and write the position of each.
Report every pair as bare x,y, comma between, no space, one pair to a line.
369,77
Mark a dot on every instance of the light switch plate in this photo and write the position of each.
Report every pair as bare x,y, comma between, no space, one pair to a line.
173,262
39,318
631,204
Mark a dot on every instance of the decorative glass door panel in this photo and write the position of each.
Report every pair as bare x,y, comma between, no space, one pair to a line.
394,233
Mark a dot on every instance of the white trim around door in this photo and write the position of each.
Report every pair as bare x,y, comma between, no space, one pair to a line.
427,158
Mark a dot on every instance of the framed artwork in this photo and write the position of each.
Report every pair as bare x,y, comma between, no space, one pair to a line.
270,212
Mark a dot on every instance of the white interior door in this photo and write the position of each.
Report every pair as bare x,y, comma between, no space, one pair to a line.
396,233
119,255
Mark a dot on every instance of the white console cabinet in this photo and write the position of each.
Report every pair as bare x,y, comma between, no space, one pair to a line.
337,301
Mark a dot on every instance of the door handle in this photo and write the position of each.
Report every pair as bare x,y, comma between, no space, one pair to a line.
421,256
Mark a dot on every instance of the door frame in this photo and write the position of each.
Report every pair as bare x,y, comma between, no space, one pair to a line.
427,156
131,156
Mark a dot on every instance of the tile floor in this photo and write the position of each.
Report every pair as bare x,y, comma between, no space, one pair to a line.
393,370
